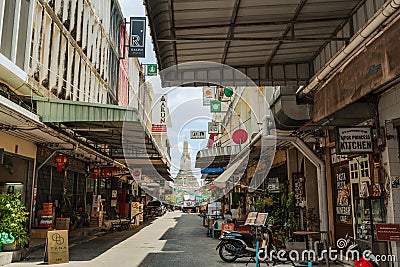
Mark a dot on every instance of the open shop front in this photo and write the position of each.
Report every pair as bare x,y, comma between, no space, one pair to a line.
359,182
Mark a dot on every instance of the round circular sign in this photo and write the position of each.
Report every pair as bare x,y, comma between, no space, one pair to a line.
228,92
240,136
136,173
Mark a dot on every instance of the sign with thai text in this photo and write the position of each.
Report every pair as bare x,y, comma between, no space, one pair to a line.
354,140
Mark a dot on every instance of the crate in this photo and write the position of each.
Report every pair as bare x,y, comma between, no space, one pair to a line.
62,223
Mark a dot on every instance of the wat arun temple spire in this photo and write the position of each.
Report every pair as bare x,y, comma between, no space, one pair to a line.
185,179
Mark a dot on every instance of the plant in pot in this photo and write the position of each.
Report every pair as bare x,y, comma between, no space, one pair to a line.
13,217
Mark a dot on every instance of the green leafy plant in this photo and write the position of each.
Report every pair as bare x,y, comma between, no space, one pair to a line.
13,216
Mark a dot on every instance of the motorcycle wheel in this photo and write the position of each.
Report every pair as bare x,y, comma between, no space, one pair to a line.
225,254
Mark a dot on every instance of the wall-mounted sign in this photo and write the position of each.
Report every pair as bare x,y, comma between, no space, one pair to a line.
388,232
354,140
208,95
137,37
151,69
343,202
240,136
215,106
213,127
197,134
273,185
156,128
217,170
137,174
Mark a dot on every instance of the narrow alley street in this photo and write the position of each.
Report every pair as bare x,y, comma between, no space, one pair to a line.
176,239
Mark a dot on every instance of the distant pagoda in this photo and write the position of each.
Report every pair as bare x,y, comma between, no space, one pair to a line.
185,180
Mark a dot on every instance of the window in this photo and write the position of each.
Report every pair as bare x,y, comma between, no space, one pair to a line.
22,33
8,28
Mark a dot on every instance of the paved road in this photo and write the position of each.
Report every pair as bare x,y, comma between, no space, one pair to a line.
176,240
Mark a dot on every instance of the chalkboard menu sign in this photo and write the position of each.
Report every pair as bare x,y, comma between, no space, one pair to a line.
299,189
343,202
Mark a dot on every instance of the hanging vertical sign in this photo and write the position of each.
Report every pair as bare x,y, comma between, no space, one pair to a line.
159,116
137,38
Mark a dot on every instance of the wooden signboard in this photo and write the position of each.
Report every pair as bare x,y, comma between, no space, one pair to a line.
57,247
388,232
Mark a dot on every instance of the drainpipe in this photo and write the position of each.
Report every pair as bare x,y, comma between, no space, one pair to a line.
321,176
33,203
386,11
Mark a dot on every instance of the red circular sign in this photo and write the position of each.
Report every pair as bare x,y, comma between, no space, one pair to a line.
136,173
240,136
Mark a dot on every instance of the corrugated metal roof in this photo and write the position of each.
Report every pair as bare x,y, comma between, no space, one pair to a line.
248,33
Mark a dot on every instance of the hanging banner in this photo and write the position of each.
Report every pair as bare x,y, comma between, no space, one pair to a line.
208,95
137,36
159,115
354,140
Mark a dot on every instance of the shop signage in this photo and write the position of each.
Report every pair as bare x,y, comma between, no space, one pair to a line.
217,170
137,42
137,174
388,232
343,202
215,106
208,95
157,128
159,115
197,134
354,140
151,69
273,185
213,127
57,247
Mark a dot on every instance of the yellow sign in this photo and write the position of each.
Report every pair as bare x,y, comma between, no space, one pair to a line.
57,247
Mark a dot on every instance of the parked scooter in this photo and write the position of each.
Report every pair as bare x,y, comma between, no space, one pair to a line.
234,245
368,261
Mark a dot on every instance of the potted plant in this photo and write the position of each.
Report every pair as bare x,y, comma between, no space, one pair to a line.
13,216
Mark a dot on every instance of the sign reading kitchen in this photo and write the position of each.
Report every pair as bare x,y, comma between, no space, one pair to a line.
354,140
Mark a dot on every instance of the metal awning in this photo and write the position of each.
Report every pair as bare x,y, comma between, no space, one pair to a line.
228,173
114,130
273,42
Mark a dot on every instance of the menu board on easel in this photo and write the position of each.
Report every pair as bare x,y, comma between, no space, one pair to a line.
261,219
251,218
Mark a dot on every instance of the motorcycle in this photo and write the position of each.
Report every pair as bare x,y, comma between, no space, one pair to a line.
234,245
368,261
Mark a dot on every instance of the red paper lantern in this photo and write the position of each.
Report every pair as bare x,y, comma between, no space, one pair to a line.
213,187
60,160
96,172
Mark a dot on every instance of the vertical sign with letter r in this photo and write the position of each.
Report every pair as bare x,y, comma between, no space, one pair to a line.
137,37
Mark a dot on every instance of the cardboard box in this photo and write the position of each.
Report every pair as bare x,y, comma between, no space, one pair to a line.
62,223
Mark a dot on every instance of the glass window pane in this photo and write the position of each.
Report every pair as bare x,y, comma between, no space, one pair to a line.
22,33
8,27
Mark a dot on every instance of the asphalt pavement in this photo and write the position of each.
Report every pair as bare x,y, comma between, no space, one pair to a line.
176,239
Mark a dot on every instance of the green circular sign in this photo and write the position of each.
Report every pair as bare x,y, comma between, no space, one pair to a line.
228,91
